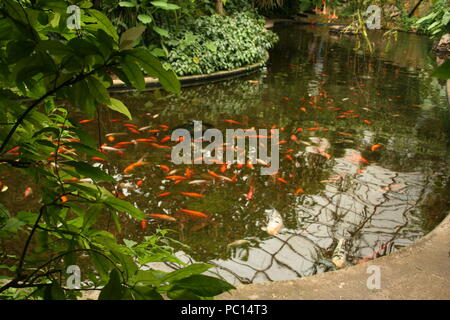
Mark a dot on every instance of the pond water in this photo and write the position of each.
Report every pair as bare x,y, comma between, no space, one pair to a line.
338,103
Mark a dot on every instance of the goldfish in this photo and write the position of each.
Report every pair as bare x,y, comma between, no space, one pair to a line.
282,180
274,223
99,159
223,168
143,224
64,199
164,168
165,139
139,183
176,178
198,182
299,191
107,148
250,193
162,216
28,192
233,122
289,157
303,109
164,194
134,130
294,137
215,175
132,166
158,146
194,213
375,147
188,173
145,139
130,125
192,194
85,121
367,122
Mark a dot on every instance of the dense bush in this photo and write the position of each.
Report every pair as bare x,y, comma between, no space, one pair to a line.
437,22
214,43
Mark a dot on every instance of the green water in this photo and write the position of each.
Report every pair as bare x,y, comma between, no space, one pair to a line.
350,101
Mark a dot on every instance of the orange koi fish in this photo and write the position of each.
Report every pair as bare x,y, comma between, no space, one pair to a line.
162,216
367,122
164,194
194,213
192,194
299,191
375,147
282,180
164,168
165,139
158,146
250,192
233,122
86,121
139,183
132,166
143,224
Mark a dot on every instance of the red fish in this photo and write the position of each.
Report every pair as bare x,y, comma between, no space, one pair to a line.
139,183
132,166
192,194
164,168
86,121
299,191
282,180
250,193
162,216
194,213
28,192
367,122
375,147
143,224
165,139
164,194
233,122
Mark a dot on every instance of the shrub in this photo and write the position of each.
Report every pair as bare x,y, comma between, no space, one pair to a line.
213,43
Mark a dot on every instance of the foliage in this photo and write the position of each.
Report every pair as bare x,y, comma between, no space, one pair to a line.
47,70
213,43
437,22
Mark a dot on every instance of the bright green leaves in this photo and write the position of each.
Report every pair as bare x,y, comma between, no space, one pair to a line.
118,106
104,23
164,5
87,170
203,286
124,206
129,37
154,68
133,73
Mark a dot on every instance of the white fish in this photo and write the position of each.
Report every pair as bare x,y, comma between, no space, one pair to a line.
340,254
106,148
274,222
199,181
113,134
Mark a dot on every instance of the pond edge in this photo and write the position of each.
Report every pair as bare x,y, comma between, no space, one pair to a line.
192,80
418,271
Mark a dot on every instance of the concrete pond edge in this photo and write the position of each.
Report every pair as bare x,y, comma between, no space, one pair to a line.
420,271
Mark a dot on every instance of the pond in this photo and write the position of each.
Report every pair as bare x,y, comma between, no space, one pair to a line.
364,158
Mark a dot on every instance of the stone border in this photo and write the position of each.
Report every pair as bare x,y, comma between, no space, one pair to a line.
419,271
192,80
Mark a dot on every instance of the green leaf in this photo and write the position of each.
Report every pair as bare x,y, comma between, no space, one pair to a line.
113,289
185,272
144,18
124,206
118,106
54,292
128,38
146,293
126,4
104,23
204,286
133,73
97,90
154,68
165,5
86,149
182,294
162,32
87,170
